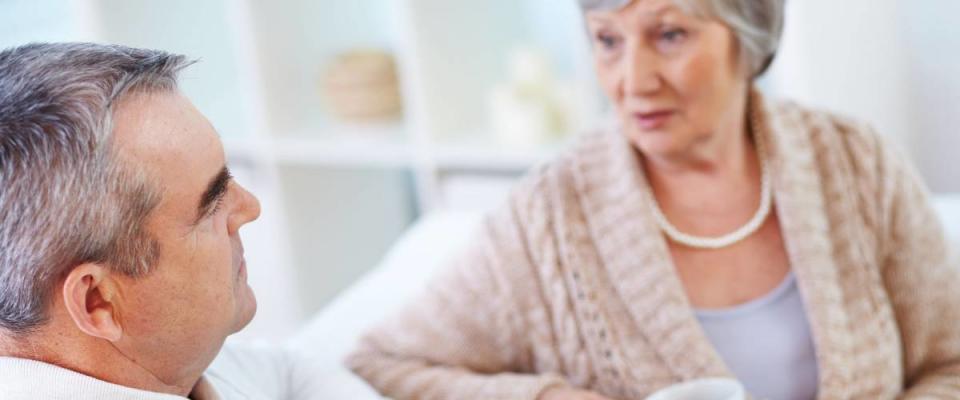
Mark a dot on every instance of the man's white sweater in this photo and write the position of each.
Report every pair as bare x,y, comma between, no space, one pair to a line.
246,373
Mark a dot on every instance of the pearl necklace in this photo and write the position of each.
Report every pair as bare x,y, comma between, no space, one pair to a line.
717,242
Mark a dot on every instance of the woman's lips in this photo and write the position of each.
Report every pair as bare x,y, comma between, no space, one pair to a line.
652,120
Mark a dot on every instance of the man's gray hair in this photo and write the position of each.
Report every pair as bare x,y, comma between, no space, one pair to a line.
757,24
66,197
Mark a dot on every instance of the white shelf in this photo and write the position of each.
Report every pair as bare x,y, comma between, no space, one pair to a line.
364,150
247,149
338,145
342,151
485,157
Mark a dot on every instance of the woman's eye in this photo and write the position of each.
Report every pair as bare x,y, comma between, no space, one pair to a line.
673,35
607,41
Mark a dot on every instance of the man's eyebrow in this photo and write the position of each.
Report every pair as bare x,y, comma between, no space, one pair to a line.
215,190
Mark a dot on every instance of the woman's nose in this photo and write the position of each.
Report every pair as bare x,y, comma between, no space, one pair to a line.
641,71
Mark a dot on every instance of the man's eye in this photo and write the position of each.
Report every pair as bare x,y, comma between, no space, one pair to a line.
217,206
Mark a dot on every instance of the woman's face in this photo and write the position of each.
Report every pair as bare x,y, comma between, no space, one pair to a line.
675,79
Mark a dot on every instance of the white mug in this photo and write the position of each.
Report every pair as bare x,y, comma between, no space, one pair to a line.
702,389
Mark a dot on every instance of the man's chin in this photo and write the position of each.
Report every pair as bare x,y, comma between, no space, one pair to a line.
247,303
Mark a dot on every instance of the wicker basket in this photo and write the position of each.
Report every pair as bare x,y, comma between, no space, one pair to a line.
362,86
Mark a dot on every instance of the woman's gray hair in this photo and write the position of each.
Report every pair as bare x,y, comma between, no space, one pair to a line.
66,197
757,24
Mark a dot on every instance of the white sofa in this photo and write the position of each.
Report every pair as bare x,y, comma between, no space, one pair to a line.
331,334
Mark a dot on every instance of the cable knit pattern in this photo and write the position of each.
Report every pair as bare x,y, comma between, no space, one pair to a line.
571,282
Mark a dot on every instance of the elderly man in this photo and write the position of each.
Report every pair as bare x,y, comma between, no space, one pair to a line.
121,265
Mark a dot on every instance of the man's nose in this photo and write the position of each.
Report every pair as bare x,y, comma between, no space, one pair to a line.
248,209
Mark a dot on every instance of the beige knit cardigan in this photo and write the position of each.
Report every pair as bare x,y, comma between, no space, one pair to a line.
571,282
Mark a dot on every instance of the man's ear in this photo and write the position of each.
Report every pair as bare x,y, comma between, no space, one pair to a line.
91,295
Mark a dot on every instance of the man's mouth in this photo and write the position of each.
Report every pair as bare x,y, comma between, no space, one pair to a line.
242,271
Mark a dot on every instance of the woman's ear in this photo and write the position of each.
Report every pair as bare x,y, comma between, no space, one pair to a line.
91,296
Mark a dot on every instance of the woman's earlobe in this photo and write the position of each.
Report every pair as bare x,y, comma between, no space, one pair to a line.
90,298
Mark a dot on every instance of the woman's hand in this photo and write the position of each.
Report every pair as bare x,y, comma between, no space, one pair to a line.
565,393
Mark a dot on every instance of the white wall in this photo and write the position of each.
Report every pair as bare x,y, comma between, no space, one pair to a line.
932,34
846,56
23,21
894,64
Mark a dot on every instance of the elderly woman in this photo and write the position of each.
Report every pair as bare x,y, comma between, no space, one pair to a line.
708,232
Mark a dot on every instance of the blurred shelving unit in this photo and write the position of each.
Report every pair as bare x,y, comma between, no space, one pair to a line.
336,194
